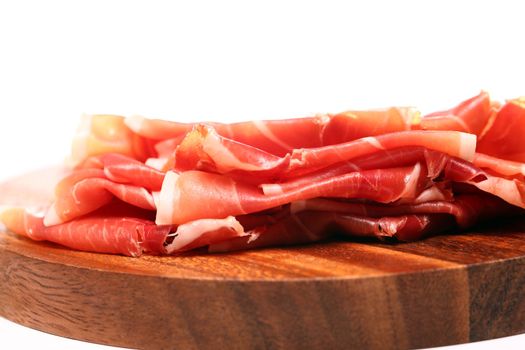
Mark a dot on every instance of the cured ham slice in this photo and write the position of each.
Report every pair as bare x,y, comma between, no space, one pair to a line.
437,164
469,116
274,136
161,187
403,228
129,236
100,134
308,227
203,232
204,149
499,166
511,190
467,209
124,169
504,138
121,229
317,219
456,144
221,196
86,190
116,235
302,228
121,235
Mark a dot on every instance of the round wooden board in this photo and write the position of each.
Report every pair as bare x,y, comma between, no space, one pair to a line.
440,291
335,295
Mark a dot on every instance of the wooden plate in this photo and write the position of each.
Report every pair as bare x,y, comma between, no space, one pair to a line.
442,290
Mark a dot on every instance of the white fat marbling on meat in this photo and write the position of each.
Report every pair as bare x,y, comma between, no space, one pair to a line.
411,183
261,126
80,140
167,199
411,116
135,123
189,232
52,217
505,189
374,142
149,197
271,189
430,194
156,198
224,159
467,146
156,163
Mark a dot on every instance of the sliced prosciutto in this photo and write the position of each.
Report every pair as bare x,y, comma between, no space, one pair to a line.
504,137
220,196
437,165
204,149
317,219
469,116
87,190
100,134
124,169
500,166
162,187
309,227
122,229
467,209
274,136
126,235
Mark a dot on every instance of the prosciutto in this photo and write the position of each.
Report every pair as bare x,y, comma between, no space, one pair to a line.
309,227
504,137
100,134
469,116
87,190
123,169
122,229
499,166
220,195
318,219
437,165
204,149
118,233
143,185
274,136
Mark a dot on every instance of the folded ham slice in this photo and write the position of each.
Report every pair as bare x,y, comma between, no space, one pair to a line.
145,185
317,219
469,116
504,135
274,136
204,149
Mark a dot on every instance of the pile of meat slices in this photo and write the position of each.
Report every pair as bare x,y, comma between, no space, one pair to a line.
144,185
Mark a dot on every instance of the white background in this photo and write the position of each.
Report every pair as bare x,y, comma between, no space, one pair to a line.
227,60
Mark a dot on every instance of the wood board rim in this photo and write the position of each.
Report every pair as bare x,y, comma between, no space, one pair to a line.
466,311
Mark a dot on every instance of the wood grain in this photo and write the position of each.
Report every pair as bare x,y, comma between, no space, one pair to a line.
295,304
337,295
